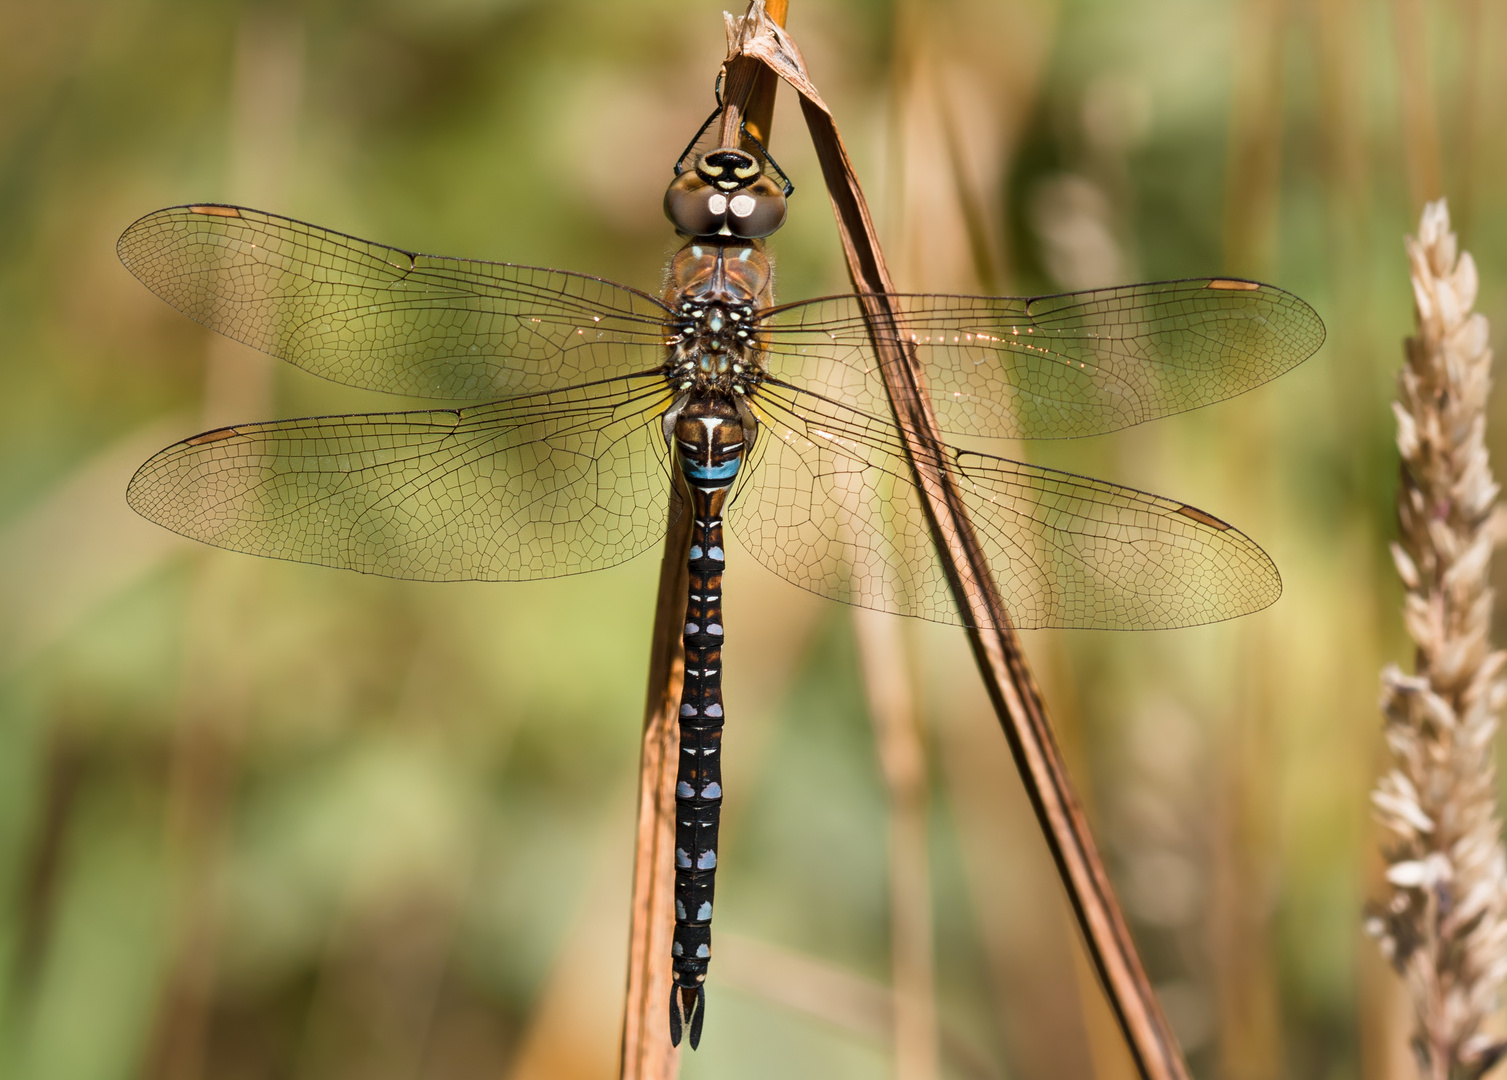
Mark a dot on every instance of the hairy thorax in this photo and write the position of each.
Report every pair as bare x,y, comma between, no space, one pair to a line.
715,288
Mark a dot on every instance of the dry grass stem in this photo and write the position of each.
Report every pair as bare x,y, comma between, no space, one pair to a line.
997,651
646,1053
1443,922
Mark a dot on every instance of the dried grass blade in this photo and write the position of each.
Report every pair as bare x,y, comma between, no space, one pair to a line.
646,1050
1002,664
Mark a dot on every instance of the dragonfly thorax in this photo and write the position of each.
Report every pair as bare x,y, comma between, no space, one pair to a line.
714,347
715,292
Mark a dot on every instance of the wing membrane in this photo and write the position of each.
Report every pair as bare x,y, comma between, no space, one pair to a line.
382,318
831,507
523,489
1056,366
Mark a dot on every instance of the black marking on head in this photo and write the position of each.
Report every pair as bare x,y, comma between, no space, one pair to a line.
729,168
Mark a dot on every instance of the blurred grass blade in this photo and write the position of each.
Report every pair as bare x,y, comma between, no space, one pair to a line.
208,736
1254,175
902,757
971,200
1420,127
826,992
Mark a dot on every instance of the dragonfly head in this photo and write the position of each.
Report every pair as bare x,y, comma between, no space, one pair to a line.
726,194
728,169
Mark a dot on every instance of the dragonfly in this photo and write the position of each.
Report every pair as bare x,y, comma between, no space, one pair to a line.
577,405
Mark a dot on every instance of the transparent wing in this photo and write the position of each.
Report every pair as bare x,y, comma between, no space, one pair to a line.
1056,366
829,505
532,488
378,317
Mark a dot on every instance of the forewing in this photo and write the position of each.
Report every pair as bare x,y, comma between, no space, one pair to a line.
524,489
368,315
830,505
1056,366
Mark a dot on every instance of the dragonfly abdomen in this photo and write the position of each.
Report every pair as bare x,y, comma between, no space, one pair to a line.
710,444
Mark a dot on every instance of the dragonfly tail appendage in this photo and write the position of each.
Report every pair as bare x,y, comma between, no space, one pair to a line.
687,1010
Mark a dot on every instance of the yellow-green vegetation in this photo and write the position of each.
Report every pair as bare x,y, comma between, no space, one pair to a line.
265,820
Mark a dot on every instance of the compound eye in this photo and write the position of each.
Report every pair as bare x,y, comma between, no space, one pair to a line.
694,206
757,210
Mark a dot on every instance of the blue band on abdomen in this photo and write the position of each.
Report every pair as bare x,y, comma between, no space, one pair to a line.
714,472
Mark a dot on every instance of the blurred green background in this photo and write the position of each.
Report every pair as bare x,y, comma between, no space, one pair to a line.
261,820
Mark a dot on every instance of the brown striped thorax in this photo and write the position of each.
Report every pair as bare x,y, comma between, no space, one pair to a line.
715,290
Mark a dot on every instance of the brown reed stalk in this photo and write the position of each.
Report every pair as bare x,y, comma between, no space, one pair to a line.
1443,920
646,1053
997,651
